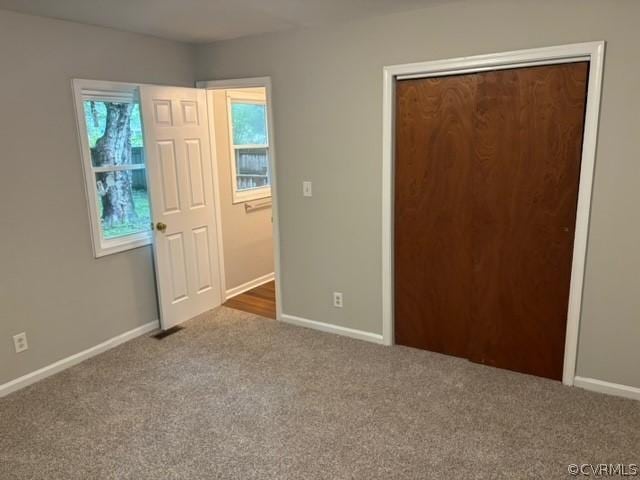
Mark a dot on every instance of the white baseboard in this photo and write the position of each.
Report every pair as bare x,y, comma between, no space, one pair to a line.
607,387
65,363
330,328
256,282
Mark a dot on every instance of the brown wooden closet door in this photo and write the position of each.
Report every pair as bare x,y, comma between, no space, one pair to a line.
528,130
433,244
487,173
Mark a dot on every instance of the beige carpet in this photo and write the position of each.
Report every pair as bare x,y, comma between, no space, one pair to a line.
235,396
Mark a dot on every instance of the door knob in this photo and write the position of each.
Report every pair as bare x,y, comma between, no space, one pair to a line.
161,226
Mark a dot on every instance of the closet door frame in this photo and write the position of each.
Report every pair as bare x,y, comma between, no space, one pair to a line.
593,52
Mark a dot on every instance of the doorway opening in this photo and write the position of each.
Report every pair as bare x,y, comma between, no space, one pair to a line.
244,183
151,167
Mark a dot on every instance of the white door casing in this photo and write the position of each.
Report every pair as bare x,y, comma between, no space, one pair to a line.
179,171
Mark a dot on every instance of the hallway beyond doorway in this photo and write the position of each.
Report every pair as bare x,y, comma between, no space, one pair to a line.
260,300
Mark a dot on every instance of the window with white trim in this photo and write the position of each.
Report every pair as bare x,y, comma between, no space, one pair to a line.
113,157
249,140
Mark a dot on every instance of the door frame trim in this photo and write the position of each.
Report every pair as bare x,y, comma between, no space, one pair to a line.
589,51
247,83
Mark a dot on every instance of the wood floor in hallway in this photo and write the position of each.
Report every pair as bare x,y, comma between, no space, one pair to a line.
260,300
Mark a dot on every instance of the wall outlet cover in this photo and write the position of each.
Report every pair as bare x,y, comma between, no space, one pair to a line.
337,299
20,342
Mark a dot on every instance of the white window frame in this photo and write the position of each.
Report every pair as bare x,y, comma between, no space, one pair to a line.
114,91
247,195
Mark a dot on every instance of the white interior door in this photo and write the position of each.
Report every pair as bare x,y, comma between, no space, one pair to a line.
181,192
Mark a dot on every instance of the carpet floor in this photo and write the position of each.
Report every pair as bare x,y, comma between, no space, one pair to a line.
237,396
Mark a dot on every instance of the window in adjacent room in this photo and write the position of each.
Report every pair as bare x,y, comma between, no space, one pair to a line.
249,141
112,143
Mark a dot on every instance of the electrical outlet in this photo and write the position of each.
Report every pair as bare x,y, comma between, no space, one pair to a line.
20,342
337,299
306,189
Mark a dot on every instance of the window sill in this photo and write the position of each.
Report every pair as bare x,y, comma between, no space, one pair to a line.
250,195
118,245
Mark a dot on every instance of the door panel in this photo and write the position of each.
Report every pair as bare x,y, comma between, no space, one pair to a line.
203,252
178,264
487,175
433,213
194,162
181,191
528,131
169,172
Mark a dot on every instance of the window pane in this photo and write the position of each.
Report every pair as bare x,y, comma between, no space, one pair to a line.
115,133
115,138
123,203
249,122
252,168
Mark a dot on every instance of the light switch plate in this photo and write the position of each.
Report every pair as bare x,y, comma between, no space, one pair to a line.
306,189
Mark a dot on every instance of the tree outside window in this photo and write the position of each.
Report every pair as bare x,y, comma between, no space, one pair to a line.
117,157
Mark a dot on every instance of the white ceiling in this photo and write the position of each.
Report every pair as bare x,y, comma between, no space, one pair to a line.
199,21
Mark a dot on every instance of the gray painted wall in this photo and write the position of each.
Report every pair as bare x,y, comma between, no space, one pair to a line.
327,106
50,284
327,92
247,237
